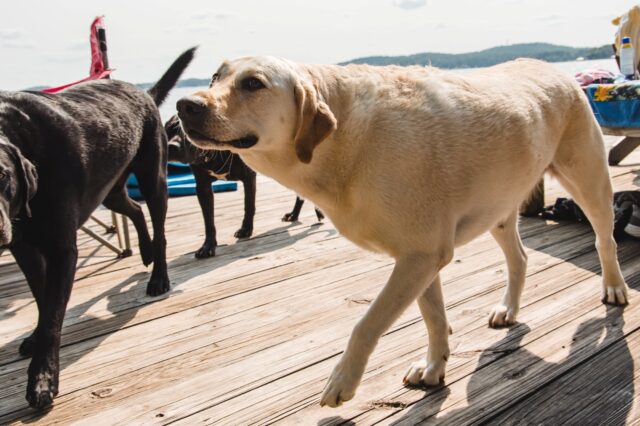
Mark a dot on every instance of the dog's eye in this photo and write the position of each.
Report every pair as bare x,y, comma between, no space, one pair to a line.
3,175
252,84
214,78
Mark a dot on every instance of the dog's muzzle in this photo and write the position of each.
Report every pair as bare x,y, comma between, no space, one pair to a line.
191,109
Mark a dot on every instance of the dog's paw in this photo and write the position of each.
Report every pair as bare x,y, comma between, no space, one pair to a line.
290,217
41,389
27,345
243,233
502,316
617,296
340,387
158,285
424,373
207,250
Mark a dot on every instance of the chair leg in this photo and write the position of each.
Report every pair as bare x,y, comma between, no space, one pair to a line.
102,241
124,241
622,149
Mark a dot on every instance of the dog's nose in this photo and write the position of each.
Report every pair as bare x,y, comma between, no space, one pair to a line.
191,107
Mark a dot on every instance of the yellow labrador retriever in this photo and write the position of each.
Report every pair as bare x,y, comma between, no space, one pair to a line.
413,162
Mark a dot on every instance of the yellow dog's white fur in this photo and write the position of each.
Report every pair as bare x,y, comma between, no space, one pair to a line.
414,162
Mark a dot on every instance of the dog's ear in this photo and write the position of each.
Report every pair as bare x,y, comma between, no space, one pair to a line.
315,121
28,177
616,21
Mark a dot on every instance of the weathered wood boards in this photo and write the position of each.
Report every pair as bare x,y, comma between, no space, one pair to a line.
251,335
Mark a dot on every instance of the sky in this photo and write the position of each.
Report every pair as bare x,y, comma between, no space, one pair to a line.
46,42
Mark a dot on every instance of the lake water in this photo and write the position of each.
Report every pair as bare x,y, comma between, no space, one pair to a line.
169,107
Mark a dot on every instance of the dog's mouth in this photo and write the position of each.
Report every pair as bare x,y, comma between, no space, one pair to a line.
201,139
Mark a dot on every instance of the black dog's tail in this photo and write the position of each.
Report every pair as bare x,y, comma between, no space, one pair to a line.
161,89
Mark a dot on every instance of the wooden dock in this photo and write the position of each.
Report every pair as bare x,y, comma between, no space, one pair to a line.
250,336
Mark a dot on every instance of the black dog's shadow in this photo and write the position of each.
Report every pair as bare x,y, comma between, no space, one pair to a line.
135,286
72,333
577,390
248,248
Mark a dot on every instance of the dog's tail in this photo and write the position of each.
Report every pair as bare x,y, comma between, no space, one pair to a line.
161,89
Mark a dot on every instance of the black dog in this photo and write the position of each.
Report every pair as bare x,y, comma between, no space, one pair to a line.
208,166
81,144
293,216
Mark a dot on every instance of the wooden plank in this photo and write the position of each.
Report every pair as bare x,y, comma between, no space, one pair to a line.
621,131
232,305
382,383
198,290
251,336
191,400
599,391
120,300
499,380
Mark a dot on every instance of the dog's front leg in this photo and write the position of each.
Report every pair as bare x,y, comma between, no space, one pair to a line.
430,370
32,263
410,278
295,213
44,369
249,184
206,201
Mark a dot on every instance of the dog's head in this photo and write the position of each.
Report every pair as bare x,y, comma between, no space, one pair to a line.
179,147
258,104
18,185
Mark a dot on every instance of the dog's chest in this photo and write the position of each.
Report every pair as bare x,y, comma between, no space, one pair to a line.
220,165
358,228
222,176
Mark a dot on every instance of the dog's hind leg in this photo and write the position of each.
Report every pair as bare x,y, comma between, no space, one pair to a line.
150,168
581,167
411,276
506,235
118,200
430,370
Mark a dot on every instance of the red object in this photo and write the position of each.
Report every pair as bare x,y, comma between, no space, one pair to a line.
98,69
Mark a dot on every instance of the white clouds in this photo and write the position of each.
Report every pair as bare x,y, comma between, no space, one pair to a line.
409,4
79,45
52,45
14,39
221,15
10,34
204,23
225,15
197,30
551,20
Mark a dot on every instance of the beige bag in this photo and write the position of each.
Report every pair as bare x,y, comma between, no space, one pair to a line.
628,26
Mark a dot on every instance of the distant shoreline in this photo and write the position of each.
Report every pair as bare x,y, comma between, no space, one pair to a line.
484,58
495,55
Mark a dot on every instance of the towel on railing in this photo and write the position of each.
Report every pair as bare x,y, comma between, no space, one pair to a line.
616,105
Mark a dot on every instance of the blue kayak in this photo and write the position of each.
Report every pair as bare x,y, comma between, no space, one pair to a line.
180,182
